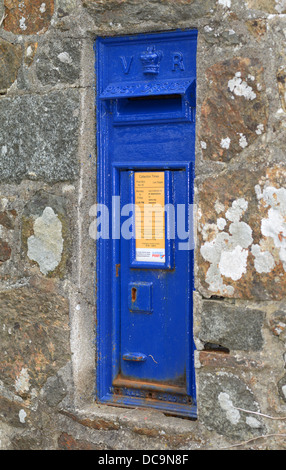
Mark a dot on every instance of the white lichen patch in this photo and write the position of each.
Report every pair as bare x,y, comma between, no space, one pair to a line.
228,252
263,260
273,226
209,231
274,197
203,145
211,252
22,416
232,414
225,143
237,209
233,263
240,87
22,383
219,207
224,3
43,8
221,223
228,244
46,245
242,141
241,234
260,129
280,5
22,23
253,422
65,58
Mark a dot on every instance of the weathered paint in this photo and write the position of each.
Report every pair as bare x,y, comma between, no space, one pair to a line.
144,341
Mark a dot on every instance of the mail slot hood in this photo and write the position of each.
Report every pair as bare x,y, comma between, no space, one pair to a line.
148,88
147,65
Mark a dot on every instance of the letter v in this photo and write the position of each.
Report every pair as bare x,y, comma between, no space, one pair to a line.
126,63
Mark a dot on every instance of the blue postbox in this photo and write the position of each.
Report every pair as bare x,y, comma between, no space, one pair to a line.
146,91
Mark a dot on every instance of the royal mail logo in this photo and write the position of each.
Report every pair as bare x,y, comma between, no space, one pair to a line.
158,255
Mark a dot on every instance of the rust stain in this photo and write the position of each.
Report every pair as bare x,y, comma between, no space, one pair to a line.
98,424
133,294
117,267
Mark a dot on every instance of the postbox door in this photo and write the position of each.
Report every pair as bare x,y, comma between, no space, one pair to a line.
146,99
155,279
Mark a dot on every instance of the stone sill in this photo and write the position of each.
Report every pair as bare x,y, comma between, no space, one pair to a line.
142,421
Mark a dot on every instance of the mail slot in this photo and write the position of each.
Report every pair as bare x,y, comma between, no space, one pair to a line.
146,101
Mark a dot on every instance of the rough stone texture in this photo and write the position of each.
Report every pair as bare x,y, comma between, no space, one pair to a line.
28,17
221,395
7,219
10,60
48,175
46,245
5,251
58,61
135,11
64,7
46,236
282,388
241,235
281,80
236,328
34,338
235,111
68,442
30,51
39,137
269,6
9,412
257,27
277,323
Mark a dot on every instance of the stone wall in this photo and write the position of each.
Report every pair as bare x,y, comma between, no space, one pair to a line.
47,259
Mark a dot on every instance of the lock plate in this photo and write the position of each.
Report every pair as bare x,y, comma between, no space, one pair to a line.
140,297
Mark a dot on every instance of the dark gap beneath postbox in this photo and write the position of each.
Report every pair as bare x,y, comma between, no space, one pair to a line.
216,348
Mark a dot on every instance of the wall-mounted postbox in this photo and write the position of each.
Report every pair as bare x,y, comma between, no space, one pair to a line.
146,90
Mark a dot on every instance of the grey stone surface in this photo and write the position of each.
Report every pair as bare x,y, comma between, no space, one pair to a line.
220,396
64,7
58,61
38,137
54,391
157,11
10,60
42,248
282,388
234,327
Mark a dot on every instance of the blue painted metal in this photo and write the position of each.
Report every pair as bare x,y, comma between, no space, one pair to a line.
134,357
140,297
146,121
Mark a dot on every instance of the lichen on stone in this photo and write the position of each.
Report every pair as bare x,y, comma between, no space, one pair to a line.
46,245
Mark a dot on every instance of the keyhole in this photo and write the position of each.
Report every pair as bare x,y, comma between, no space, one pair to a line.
133,294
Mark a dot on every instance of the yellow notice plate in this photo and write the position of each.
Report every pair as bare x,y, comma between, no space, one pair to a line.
150,216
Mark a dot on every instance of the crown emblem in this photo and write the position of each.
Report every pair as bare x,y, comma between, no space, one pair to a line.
151,60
